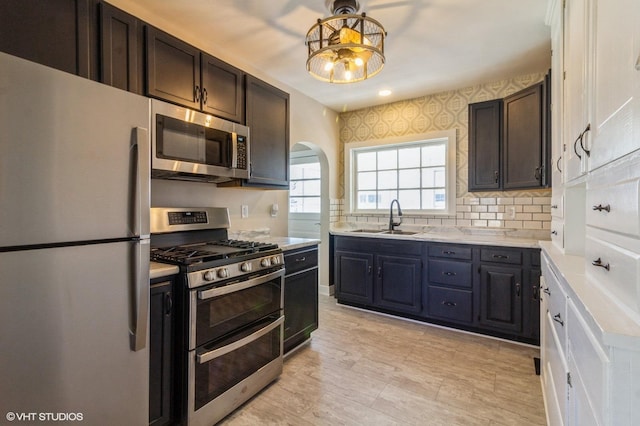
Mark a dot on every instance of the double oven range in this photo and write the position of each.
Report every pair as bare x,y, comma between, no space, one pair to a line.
229,311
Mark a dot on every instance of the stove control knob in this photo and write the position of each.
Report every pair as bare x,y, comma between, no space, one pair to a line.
275,260
265,262
245,267
209,276
223,273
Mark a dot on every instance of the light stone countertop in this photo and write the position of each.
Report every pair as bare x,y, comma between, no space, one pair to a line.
160,270
290,243
449,234
615,326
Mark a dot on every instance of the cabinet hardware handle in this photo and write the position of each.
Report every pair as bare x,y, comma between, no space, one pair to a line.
558,164
600,207
379,271
497,175
557,318
575,147
500,256
204,96
302,259
448,252
517,289
449,274
538,173
451,304
369,270
546,290
554,206
168,302
638,64
554,232
536,293
598,263
197,93
586,151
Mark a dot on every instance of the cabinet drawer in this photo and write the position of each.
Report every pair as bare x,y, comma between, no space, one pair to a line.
590,360
501,255
615,207
451,273
450,304
557,306
557,233
300,260
390,246
557,205
554,370
615,269
450,252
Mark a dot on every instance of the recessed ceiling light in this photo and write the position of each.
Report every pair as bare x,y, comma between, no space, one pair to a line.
384,92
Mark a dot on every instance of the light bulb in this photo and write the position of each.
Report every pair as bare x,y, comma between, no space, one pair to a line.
328,66
347,75
359,62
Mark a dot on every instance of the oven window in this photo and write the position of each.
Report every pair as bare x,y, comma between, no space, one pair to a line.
220,374
220,315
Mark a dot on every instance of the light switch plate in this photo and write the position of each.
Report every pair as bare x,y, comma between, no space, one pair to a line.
244,211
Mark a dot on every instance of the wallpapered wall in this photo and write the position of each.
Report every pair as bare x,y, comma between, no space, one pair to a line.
443,111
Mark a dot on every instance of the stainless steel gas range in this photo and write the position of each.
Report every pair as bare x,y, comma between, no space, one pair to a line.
229,306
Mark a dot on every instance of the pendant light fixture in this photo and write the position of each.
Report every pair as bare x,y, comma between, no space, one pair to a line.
345,47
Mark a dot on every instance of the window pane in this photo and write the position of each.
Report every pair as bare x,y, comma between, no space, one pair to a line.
388,179
433,155
434,199
385,198
409,157
409,178
366,200
433,176
311,171
366,161
367,180
409,199
312,187
304,205
296,188
296,171
387,159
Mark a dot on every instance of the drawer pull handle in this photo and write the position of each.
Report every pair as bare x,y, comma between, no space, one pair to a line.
554,232
517,289
546,290
558,164
379,271
586,151
369,270
500,256
451,304
554,206
600,207
448,252
557,318
302,259
598,263
449,274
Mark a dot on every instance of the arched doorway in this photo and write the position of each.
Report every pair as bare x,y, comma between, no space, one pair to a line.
309,201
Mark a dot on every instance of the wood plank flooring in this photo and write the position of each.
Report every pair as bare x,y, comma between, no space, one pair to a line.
366,369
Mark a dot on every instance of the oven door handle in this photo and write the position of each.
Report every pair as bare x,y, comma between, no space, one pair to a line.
219,291
208,356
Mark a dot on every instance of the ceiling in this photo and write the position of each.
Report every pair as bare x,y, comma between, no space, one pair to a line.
431,46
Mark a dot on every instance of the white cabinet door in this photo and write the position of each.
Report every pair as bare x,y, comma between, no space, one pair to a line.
576,97
557,54
616,80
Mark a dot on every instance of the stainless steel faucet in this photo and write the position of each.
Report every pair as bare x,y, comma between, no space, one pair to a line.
393,224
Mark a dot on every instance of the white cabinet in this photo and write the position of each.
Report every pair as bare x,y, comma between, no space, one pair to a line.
616,80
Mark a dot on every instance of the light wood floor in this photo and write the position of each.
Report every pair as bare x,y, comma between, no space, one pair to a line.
365,369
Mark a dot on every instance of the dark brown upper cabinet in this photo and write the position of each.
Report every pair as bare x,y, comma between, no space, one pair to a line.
120,49
180,73
55,33
509,143
485,128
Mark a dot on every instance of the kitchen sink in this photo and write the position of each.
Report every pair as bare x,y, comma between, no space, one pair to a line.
368,231
399,232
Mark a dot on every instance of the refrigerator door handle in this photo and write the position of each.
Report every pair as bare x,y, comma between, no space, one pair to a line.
141,156
140,293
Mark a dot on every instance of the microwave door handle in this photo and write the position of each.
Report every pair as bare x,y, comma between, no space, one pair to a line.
233,152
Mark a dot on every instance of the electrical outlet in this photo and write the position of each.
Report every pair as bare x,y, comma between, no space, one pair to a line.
274,210
511,212
244,211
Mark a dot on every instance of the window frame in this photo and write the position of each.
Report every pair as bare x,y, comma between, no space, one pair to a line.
305,157
449,137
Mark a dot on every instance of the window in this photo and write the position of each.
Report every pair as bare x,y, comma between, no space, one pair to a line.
418,171
304,186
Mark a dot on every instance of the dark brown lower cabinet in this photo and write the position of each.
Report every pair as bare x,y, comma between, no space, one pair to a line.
501,289
160,352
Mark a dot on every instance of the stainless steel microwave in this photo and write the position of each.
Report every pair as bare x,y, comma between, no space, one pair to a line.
191,145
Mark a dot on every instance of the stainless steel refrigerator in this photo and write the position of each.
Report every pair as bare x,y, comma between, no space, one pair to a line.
74,248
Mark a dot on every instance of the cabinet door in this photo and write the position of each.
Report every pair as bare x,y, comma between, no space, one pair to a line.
354,277
557,121
484,145
398,283
575,96
501,297
616,75
54,33
300,307
160,346
222,89
119,38
268,121
523,139
173,69
532,325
